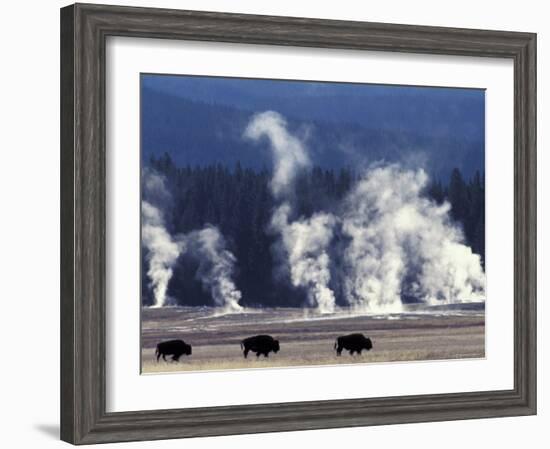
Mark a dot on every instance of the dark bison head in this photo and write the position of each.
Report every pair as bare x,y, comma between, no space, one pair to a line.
187,349
276,346
368,344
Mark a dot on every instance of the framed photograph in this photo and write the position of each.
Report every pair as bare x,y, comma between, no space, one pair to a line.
274,223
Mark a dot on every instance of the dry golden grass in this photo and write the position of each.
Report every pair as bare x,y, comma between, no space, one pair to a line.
305,342
188,364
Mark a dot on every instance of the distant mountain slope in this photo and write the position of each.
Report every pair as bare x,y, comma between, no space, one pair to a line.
444,112
196,132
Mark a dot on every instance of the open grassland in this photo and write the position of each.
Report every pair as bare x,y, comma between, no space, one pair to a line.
308,340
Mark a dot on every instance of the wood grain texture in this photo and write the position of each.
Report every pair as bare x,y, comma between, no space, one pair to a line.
84,29
67,226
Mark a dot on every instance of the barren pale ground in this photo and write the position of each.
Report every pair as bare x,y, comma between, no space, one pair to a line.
419,334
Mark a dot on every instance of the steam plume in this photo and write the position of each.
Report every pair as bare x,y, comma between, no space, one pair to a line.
289,154
403,243
399,242
216,266
163,251
216,263
305,242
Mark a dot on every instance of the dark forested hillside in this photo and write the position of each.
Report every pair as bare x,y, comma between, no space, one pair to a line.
238,202
387,130
451,112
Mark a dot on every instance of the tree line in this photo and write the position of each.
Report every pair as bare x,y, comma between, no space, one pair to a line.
238,201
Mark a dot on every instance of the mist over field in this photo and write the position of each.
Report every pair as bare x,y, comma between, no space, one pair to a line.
307,211
382,240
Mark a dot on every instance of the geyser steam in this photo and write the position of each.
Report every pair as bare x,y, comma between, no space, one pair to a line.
394,242
163,250
216,266
289,154
216,263
403,243
305,242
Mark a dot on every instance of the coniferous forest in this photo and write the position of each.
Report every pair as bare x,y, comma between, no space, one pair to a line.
237,200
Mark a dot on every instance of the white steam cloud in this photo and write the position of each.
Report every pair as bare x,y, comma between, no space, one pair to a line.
216,266
163,250
305,242
396,242
216,263
401,240
289,154
392,240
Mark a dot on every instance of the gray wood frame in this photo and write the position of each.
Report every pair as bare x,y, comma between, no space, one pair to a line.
84,29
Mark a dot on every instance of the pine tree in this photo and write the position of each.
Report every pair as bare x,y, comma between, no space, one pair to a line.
239,202
458,196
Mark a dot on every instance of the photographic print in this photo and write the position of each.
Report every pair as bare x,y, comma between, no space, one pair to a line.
292,223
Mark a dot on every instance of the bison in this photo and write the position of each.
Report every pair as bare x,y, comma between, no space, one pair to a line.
260,344
175,348
353,343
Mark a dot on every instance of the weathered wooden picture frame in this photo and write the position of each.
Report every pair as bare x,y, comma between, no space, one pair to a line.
84,29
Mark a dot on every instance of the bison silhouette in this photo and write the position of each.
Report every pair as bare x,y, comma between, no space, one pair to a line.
260,344
353,343
175,348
